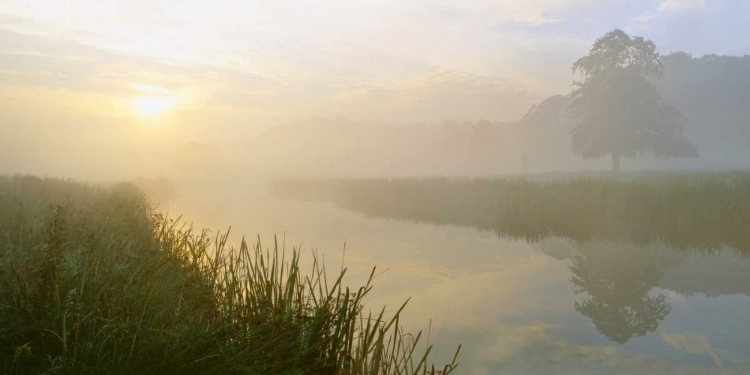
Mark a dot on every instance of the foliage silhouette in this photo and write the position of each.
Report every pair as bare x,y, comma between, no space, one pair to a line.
618,279
619,111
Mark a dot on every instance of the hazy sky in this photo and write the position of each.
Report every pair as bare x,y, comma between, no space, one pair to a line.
78,71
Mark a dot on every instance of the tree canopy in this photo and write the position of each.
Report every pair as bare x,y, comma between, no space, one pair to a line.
618,280
618,111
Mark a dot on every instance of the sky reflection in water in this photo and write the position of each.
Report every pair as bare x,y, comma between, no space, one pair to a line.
555,306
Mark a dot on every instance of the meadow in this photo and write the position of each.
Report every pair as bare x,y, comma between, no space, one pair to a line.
94,281
697,211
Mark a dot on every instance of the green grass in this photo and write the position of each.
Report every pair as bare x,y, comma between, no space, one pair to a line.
92,281
686,210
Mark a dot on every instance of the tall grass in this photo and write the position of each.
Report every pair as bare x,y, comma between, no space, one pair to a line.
690,210
92,281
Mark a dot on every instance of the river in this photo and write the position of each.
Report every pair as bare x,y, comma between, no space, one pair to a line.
552,306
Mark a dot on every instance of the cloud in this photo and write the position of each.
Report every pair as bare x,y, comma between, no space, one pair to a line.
399,60
362,85
645,18
539,347
437,96
383,40
536,346
681,5
694,344
150,88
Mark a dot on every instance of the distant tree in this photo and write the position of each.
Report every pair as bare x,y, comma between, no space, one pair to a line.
618,111
712,92
551,112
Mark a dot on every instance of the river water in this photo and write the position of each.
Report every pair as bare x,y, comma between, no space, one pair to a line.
553,306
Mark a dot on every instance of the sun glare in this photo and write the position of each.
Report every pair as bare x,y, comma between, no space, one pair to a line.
153,106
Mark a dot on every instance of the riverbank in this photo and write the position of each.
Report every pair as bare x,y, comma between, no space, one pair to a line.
686,210
92,280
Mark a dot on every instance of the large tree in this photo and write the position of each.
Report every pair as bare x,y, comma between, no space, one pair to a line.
618,111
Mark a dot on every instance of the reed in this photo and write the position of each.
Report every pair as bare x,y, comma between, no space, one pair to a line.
686,210
93,281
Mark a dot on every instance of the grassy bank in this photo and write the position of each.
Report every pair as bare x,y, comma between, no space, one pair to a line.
688,210
92,281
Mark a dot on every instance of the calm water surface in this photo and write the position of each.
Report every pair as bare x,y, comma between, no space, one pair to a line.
555,306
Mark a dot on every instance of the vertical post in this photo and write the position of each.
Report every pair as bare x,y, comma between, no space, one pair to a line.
616,163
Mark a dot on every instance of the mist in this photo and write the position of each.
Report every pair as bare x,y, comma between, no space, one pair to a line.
466,129
70,103
558,186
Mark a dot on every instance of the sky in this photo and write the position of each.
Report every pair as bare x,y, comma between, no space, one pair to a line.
78,71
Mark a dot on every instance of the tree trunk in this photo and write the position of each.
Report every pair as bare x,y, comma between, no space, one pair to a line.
616,163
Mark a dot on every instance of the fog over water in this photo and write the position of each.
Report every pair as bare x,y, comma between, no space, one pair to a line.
204,105
511,303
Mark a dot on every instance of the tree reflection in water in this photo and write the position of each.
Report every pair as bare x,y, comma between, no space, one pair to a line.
618,279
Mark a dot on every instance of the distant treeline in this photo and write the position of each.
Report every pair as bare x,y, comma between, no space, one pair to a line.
711,92
686,211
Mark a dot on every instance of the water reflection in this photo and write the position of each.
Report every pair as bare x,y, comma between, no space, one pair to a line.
551,305
626,288
618,279
688,213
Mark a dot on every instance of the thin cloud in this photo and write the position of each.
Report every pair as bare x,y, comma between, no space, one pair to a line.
150,88
645,18
694,344
681,5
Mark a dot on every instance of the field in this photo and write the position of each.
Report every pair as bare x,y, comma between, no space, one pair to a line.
704,211
93,280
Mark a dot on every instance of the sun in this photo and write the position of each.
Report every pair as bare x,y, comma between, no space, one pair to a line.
153,106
